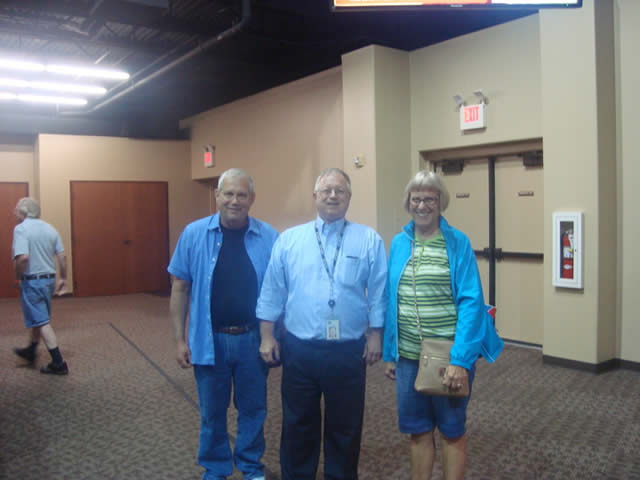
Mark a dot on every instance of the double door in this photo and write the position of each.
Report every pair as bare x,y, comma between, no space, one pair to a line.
497,200
120,237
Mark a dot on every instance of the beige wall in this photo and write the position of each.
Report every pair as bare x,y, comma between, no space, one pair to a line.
17,164
503,61
283,137
65,158
628,103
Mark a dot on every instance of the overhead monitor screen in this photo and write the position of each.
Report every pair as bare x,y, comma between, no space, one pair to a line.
419,4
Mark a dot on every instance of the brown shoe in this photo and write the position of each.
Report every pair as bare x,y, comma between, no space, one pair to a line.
54,369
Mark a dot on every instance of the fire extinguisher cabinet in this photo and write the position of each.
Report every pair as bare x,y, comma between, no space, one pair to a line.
568,251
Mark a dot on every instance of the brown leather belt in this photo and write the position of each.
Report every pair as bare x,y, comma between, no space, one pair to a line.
234,330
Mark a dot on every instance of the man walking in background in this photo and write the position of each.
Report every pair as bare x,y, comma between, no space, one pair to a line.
36,246
217,267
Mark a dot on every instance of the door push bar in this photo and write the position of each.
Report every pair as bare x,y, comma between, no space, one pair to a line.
500,254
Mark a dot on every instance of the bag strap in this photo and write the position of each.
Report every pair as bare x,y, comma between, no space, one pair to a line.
415,292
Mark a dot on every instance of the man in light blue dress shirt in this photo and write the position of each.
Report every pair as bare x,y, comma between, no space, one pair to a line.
327,278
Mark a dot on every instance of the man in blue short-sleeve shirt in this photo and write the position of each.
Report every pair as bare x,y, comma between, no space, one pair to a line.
327,277
36,247
217,268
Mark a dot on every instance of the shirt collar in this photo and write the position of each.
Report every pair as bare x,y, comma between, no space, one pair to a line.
326,227
214,224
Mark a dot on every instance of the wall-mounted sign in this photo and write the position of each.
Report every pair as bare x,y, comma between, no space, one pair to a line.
209,159
473,116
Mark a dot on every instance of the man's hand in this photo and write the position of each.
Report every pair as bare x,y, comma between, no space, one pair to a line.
178,305
455,376
61,286
373,347
390,370
183,354
270,350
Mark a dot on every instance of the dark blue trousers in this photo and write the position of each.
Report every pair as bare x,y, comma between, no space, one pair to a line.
334,372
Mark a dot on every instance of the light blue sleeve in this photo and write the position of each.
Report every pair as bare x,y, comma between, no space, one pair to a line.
59,246
389,346
179,265
20,244
273,295
377,282
471,326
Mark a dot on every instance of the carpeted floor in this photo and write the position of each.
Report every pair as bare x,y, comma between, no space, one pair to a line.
127,411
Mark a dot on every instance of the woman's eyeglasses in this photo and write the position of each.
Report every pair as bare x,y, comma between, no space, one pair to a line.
429,201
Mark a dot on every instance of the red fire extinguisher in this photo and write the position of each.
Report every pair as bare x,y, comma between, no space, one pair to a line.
567,256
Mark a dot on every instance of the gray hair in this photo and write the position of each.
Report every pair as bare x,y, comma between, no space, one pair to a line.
424,180
28,207
236,173
332,171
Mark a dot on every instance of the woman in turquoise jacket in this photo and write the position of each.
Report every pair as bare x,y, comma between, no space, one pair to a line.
434,285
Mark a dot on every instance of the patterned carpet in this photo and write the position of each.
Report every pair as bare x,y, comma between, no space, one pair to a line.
127,411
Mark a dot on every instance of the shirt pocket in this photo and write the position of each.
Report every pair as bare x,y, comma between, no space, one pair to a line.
351,267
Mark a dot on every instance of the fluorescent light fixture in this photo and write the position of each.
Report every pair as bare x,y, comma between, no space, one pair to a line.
87,72
51,99
53,86
21,65
79,71
30,98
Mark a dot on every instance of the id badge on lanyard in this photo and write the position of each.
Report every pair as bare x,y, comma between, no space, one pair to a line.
333,324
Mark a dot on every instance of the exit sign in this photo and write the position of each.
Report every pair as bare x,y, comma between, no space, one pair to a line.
473,116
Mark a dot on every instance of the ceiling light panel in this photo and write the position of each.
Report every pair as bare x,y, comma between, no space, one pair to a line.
87,72
60,69
52,86
50,99
10,64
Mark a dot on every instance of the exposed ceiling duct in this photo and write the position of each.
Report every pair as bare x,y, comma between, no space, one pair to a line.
246,14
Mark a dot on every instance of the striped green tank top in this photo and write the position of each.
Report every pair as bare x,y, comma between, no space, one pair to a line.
434,298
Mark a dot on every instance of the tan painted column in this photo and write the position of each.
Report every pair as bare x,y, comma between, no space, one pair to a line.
358,103
578,125
627,13
375,85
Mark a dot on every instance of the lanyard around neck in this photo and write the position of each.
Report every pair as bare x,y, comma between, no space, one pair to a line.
330,271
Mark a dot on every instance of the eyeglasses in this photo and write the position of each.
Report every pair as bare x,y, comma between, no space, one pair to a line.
429,201
339,192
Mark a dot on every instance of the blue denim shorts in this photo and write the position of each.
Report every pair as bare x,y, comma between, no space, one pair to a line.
35,296
418,413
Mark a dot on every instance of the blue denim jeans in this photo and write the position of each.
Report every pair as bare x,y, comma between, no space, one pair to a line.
238,362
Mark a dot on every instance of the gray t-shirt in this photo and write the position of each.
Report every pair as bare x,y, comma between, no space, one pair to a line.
39,240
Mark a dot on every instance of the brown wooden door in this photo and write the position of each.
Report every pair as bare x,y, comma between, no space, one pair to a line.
120,237
10,193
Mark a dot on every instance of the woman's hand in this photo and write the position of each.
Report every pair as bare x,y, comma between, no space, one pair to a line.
455,377
390,370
